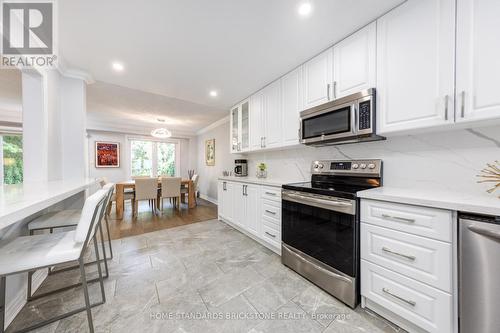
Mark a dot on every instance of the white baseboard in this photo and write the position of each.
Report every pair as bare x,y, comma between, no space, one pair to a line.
206,197
15,306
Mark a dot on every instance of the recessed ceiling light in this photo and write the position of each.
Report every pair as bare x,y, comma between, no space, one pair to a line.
305,9
117,66
213,93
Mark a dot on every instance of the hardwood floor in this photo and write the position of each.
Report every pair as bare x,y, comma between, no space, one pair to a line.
169,218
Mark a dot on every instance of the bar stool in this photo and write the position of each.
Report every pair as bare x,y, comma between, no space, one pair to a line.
28,253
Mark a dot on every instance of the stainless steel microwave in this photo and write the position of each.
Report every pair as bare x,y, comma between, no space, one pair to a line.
348,119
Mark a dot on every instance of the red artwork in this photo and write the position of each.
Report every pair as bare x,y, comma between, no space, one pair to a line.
107,155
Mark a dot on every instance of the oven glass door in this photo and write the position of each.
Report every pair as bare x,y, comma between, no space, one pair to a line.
326,235
332,123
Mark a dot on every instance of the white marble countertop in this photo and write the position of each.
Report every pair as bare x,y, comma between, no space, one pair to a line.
457,201
258,181
22,200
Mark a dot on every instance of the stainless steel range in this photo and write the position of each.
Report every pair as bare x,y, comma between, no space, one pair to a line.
320,224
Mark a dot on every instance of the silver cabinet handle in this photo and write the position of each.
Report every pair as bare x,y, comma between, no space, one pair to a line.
446,107
485,232
261,144
462,107
270,193
270,212
224,186
334,89
412,258
328,91
397,218
265,142
409,302
269,234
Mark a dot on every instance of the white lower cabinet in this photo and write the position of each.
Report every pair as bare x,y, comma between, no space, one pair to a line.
252,209
407,265
226,200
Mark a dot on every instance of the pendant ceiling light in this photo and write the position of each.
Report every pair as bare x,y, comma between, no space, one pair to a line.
161,133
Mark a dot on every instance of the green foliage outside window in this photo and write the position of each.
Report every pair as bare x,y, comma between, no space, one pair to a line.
166,159
12,159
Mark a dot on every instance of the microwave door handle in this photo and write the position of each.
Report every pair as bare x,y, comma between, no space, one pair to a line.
354,119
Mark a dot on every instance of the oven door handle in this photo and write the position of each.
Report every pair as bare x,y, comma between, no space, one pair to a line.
337,205
326,271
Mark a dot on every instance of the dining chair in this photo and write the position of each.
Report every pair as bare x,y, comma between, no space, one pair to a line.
28,253
146,189
170,188
185,189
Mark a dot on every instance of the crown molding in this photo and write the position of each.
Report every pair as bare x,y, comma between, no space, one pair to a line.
132,130
73,73
213,125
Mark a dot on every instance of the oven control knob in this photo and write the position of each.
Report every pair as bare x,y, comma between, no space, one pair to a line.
316,166
321,166
371,166
362,166
355,166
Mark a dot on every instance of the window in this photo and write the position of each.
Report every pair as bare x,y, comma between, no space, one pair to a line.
152,158
11,151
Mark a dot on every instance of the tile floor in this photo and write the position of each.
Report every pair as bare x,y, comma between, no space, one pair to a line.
202,277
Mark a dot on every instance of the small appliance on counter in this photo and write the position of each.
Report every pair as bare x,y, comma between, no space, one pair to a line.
240,168
320,225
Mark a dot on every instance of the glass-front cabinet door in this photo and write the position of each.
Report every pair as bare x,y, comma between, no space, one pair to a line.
240,127
245,126
235,133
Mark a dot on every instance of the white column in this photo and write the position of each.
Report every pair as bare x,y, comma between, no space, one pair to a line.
35,128
74,118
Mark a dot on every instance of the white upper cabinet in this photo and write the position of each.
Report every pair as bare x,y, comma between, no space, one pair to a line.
318,77
415,66
272,114
291,103
354,62
256,121
478,66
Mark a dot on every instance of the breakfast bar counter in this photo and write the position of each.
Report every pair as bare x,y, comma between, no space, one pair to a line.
22,200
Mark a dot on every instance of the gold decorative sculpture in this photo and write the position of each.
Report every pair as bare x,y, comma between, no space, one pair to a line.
491,174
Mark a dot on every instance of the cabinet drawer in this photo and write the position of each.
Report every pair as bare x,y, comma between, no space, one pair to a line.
271,223
271,193
424,306
422,221
271,209
420,258
270,235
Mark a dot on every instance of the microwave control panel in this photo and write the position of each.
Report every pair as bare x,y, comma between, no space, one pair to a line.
364,115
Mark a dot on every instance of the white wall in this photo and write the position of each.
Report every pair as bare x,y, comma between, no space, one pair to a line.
224,160
448,160
187,155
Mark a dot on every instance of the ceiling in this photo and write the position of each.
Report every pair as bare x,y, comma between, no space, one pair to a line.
176,51
111,107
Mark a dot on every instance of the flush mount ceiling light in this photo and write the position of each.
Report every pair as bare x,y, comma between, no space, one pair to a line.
117,66
213,93
305,9
161,133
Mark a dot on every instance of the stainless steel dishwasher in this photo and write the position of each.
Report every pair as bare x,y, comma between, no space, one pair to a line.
479,276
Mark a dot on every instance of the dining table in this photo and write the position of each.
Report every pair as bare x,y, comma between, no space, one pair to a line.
130,184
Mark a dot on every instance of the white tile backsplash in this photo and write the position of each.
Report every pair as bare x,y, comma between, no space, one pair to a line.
447,160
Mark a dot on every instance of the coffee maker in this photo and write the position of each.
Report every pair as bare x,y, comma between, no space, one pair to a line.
240,168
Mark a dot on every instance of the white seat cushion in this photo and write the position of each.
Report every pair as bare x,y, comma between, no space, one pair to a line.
31,252
64,218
